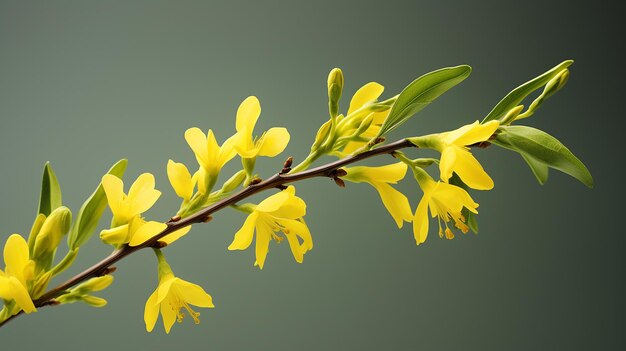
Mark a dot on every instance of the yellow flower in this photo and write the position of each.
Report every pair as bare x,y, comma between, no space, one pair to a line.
172,295
181,180
141,196
358,112
280,212
455,155
380,177
210,156
270,144
20,269
445,201
127,225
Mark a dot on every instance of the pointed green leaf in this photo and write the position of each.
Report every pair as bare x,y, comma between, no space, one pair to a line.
540,169
421,92
472,221
91,211
50,197
518,94
541,147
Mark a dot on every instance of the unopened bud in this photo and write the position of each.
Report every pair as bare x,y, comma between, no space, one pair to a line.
234,181
511,115
52,230
556,83
335,88
322,135
94,284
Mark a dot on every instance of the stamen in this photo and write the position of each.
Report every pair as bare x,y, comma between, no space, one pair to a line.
449,234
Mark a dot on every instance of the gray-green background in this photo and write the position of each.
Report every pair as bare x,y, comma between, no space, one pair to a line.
85,83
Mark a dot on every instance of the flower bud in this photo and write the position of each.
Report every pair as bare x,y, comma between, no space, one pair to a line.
51,232
335,88
234,181
432,141
556,83
94,284
511,115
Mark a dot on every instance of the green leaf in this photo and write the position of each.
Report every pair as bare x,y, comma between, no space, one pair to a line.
471,220
540,169
518,94
540,147
50,197
422,92
91,211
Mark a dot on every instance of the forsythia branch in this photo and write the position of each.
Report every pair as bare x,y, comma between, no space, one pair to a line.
278,180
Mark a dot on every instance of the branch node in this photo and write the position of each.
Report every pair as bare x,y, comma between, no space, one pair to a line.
107,271
159,244
287,165
207,219
339,182
174,219
255,181
281,187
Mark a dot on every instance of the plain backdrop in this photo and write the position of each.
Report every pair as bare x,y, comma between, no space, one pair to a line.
85,83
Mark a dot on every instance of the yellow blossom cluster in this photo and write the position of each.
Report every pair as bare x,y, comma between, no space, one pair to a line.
355,136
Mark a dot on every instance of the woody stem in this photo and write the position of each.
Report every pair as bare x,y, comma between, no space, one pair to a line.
276,181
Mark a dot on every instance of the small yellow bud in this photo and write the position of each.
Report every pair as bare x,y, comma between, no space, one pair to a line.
321,136
40,285
556,83
94,284
335,88
51,232
511,115
94,301
234,181
335,77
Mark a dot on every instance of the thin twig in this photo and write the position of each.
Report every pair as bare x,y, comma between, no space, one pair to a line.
276,181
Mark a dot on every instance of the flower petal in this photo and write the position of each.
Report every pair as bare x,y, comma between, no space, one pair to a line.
142,194
115,236
293,230
170,238
168,314
151,312
21,296
194,294
369,92
6,292
228,150
447,162
471,172
274,202
388,174
247,114
114,189
243,237
163,291
395,202
180,178
144,183
477,133
263,235
146,232
420,220
293,208
197,141
16,256
273,142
